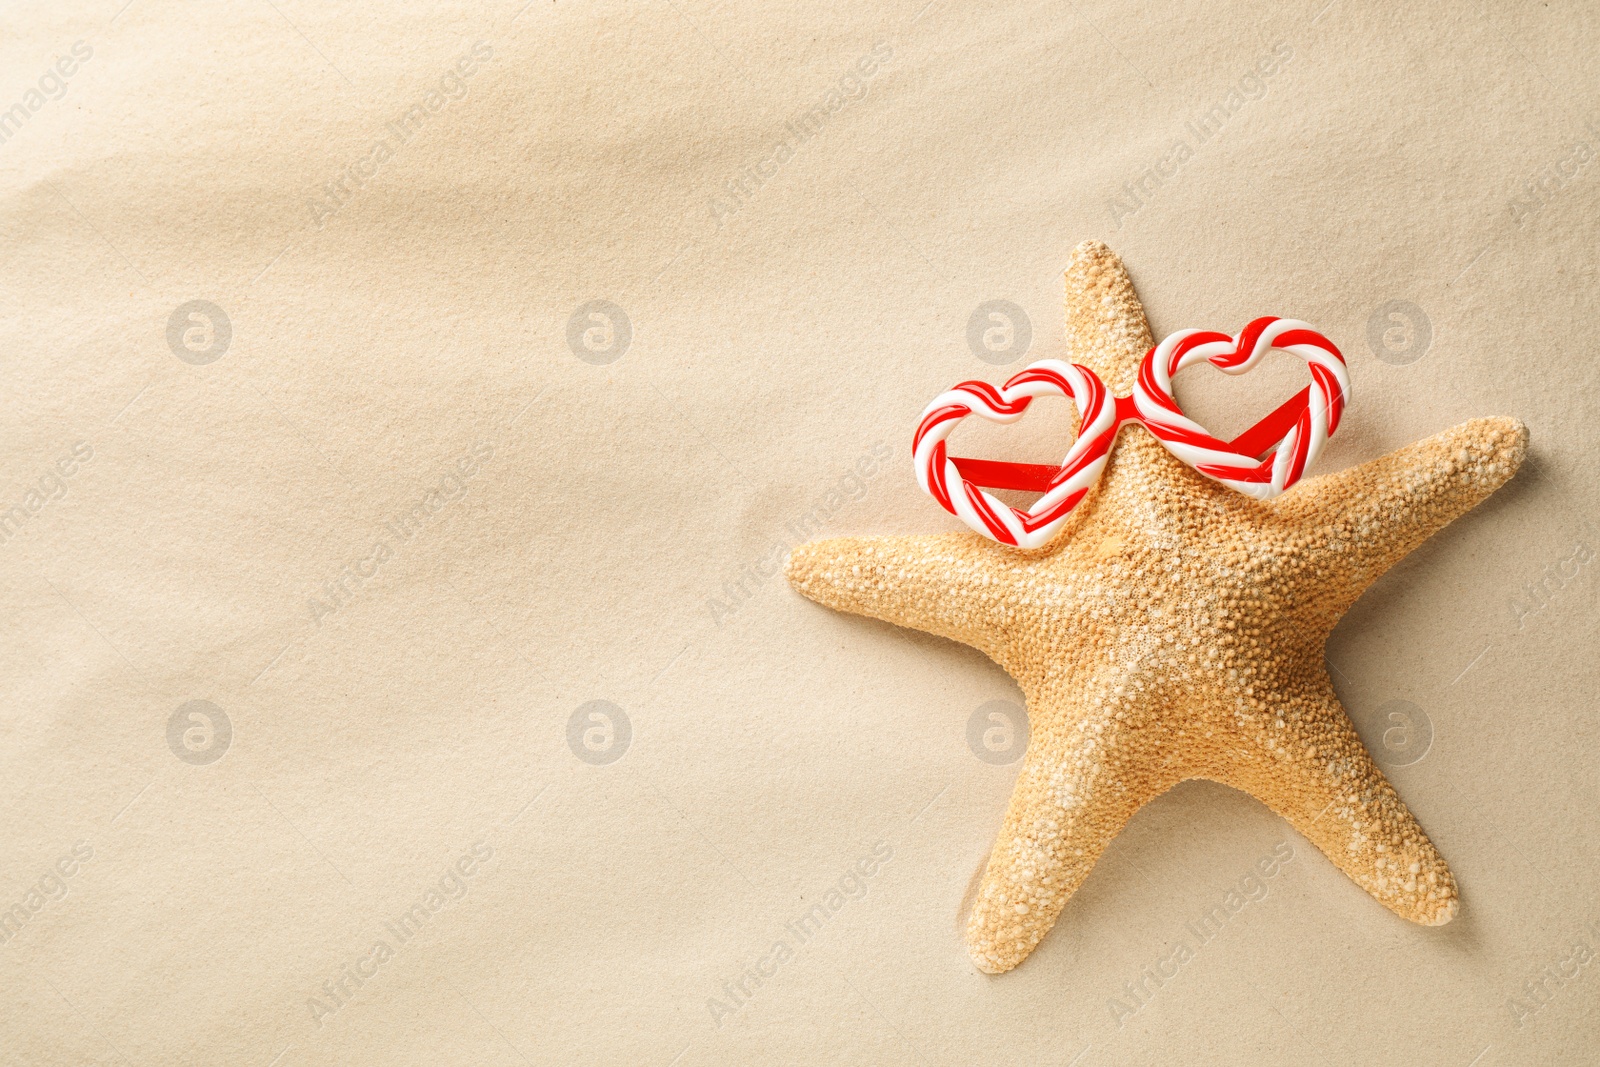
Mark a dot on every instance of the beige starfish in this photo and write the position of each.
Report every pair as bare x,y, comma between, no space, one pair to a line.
1173,630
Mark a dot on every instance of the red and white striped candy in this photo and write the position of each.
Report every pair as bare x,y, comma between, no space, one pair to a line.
1301,427
1320,406
937,473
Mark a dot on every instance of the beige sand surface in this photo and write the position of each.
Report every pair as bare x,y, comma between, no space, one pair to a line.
398,536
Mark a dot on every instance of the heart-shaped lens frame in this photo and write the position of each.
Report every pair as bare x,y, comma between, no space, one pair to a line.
1063,487
1239,463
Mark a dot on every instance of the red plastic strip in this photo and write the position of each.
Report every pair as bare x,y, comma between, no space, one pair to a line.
1038,477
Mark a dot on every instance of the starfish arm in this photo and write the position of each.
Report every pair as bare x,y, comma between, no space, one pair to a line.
1106,327
1107,332
1368,518
929,582
1315,772
1073,796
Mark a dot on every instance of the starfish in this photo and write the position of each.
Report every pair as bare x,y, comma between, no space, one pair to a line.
1175,629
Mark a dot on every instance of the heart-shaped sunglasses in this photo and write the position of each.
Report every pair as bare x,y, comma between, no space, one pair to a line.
1262,462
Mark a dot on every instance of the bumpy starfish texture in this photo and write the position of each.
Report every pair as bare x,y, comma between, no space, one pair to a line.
1174,630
